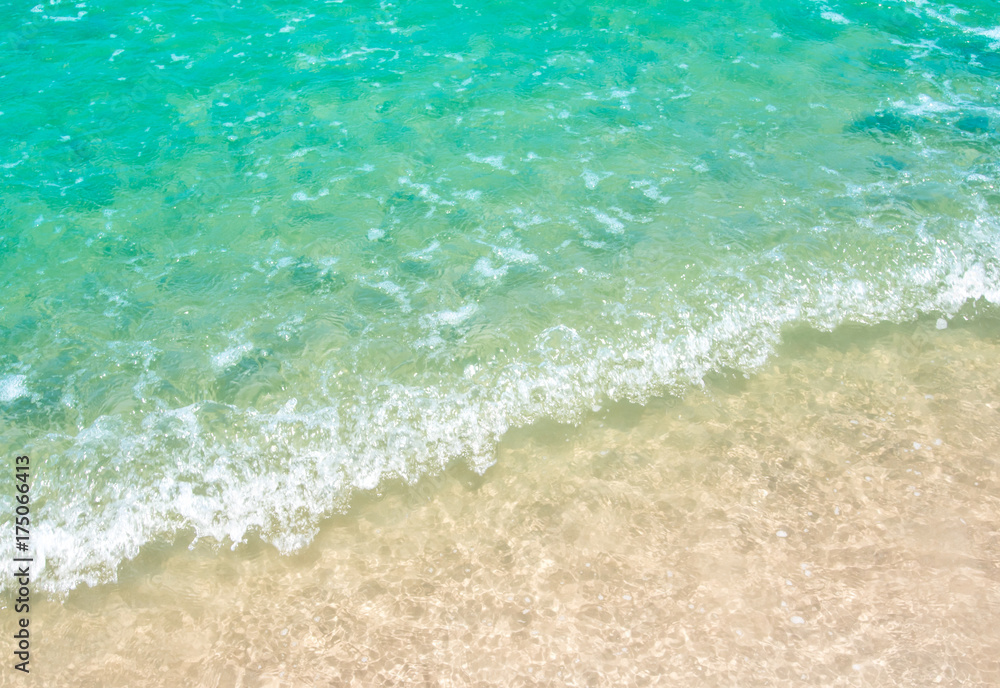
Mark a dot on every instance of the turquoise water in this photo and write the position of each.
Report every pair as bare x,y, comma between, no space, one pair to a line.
257,258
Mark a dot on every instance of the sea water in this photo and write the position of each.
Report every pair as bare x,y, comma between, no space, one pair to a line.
257,260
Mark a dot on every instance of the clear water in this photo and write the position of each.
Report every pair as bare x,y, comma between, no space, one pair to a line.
255,259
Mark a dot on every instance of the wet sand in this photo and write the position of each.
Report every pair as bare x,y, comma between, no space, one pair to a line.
832,521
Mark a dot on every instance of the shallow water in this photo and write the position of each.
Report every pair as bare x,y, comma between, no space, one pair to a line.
830,521
256,260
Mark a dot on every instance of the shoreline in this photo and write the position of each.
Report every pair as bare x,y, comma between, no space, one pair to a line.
832,520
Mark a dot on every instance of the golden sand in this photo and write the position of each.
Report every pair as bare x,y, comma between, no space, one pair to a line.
833,521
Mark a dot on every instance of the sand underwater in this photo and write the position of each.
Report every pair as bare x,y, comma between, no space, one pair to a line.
833,520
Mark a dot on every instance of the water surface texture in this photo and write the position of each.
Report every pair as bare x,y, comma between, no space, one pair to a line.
258,258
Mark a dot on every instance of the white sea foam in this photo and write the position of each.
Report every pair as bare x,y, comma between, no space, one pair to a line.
226,358
79,15
835,17
651,190
494,161
426,253
425,191
613,225
469,195
396,291
484,268
303,197
223,463
925,106
13,387
515,255
452,318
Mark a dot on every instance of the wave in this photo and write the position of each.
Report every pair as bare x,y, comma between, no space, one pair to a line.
225,471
